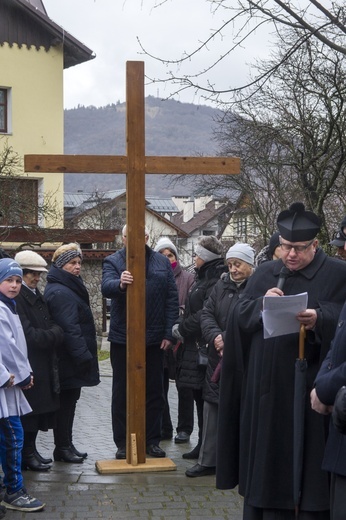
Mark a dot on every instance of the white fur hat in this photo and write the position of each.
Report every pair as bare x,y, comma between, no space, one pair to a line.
30,260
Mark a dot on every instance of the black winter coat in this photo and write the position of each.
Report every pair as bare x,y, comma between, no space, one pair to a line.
188,373
44,339
258,379
216,311
68,303
162,304
330,378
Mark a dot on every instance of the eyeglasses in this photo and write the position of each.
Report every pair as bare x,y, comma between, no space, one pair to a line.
297,249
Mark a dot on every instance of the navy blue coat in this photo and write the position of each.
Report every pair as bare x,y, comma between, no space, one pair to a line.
331,376
68,303
162,304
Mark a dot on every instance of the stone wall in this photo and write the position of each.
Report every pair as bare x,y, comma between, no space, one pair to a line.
92,276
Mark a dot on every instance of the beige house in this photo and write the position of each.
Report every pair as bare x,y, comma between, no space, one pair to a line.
34,51
108,211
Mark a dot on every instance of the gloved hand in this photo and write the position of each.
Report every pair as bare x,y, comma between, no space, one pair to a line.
175,332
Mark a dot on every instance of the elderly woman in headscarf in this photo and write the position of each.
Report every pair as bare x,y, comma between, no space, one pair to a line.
209,266
43,338
68,302
221,302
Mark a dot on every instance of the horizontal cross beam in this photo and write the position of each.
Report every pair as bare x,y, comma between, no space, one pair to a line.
118,164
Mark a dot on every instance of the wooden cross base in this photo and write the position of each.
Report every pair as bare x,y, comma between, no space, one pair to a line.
109,467
131,465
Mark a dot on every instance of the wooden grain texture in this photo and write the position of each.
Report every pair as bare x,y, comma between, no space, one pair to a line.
135,259
118,164
111,467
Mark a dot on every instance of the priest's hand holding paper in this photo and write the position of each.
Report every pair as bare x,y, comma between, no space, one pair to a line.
285,314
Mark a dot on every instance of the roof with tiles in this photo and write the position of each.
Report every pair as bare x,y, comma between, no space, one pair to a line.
89,200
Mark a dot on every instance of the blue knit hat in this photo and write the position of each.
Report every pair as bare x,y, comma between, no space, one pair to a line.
8,267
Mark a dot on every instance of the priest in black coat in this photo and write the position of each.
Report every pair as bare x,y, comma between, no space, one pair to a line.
255,431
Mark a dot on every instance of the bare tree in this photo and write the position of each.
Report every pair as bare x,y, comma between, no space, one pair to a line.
98,211
240,19
21,201
290,135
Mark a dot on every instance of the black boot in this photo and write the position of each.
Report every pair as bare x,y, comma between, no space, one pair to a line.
78,453
29,447
65,454
40,458
194,454
29,461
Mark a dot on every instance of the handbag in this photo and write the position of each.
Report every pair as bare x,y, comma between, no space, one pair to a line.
202,356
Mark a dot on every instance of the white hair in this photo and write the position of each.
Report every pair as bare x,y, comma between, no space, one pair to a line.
146,231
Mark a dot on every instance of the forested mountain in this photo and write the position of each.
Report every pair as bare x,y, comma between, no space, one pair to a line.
172,128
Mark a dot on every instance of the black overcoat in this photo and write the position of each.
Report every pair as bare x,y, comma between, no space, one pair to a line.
188,373
43,338
68,303
260,375
218,307
330,378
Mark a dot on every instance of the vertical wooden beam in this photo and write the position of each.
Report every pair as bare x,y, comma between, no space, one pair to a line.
135,258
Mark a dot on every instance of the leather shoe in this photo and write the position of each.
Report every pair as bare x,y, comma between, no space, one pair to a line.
194,454
120,454
155,451
78,453
65,454
200,471
181,437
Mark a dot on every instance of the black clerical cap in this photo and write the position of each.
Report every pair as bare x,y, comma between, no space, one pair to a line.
340,237
296,224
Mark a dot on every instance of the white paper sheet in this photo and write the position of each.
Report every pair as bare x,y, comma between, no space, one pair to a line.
279,314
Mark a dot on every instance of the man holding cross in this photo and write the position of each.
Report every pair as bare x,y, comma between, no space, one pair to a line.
161,300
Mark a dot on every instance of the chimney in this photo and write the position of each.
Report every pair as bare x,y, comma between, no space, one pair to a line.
188,210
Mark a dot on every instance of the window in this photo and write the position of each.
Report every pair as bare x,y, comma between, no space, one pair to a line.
240,225
3,110
18,202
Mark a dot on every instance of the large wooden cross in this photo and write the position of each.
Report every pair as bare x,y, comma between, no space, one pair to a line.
135,164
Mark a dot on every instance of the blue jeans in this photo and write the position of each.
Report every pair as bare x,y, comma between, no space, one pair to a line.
11,444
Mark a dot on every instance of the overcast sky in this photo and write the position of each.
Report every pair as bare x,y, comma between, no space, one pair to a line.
111,28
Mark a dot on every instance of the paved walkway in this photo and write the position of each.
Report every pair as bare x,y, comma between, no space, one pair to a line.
78,491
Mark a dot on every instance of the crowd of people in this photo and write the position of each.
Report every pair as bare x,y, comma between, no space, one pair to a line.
205,330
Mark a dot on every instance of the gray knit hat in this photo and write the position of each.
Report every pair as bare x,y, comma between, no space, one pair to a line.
242,252
30,260
166,243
